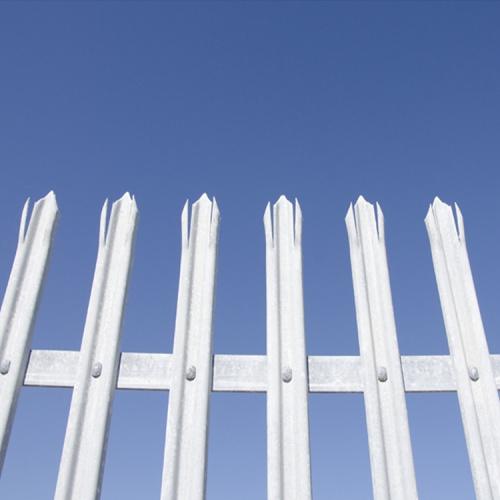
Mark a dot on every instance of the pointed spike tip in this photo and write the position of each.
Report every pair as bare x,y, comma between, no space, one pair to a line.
22,225
102,225
460,223
298,223
185,224
125,200
126,196
268,209
268,226
380,222
429,212
350,214
215,211
350,222
202,200
298,210
438,203
50,195
362,201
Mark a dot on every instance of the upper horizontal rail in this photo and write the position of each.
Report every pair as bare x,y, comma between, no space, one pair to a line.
246,373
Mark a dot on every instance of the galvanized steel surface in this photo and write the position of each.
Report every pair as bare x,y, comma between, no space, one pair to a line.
477,392
184,468
393,473
192,372
288,457
84,450
20,306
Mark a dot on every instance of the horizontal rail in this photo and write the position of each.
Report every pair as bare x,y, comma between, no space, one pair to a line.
242,373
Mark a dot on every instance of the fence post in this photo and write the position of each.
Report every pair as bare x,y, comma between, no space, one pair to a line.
20,306
477,391
393,473
288,469
184,467
84,451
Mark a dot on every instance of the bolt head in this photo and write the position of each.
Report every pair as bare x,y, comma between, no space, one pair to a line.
473,373
191,372
96,370
4,366
286,374
382,374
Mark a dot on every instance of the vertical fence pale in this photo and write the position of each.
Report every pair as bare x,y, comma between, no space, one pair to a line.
476,387
184,468
391,458
20,306
84,450
287,387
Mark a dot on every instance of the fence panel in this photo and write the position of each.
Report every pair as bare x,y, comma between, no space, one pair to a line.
286,373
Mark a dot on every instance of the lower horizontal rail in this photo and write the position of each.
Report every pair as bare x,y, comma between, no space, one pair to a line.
242,373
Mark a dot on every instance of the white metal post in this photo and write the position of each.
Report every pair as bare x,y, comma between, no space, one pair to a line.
288,469
477,391
84,451
391,457
184,467
20,306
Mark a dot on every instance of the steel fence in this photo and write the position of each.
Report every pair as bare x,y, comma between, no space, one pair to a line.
191,373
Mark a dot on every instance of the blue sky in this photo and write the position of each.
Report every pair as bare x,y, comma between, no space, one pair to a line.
320,101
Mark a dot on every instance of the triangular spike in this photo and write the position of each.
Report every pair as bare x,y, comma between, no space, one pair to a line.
380,222
350,221
22,226
102,225
202,200
126,197
268,226
214,222
361,199
460,224
185,224
298,223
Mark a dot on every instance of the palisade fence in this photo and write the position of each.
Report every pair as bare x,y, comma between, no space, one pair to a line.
286,373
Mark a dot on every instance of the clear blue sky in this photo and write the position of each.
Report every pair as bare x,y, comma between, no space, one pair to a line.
322,101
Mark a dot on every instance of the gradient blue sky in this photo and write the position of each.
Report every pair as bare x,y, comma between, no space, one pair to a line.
322,101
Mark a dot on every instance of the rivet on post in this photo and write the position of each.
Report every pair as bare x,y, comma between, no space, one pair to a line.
191,372
286,374
96,370
473,373
382,374
5,366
